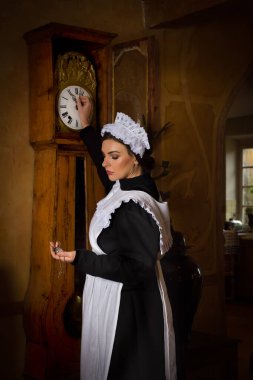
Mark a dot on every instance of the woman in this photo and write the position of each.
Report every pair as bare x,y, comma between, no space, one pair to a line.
127,329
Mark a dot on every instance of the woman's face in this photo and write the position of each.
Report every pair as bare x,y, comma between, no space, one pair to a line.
118,163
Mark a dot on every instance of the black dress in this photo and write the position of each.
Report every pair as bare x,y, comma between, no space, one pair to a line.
131,244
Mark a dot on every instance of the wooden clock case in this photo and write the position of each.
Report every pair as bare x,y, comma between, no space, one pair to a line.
51,352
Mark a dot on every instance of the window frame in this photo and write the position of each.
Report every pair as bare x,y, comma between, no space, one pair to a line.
243,144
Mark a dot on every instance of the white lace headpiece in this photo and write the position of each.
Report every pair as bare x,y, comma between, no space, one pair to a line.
129,132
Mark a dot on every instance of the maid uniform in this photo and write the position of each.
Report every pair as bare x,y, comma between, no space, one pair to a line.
127,326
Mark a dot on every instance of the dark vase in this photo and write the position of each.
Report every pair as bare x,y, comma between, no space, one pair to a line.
184,286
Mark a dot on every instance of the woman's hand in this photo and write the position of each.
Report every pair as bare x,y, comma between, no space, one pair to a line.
84,106
59,254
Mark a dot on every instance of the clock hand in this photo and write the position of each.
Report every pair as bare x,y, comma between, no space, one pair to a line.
73,98
72,95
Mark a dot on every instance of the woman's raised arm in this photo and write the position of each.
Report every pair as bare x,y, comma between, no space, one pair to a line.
92,139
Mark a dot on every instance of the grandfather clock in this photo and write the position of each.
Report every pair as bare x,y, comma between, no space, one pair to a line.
64,61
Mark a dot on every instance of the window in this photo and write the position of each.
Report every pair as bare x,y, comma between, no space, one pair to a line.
246,181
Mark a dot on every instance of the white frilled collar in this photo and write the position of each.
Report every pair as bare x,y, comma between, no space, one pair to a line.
107,206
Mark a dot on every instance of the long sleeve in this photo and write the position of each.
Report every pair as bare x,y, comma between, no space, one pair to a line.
92,142
132,243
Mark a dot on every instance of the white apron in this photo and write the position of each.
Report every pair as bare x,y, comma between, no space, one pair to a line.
101,297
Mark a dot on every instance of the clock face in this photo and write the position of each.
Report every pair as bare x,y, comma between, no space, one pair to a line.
67,107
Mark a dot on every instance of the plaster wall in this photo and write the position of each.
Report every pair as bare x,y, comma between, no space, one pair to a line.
200,67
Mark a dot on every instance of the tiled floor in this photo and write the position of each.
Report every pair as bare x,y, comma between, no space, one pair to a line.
240,325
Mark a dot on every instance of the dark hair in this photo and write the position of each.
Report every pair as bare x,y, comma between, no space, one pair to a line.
146,162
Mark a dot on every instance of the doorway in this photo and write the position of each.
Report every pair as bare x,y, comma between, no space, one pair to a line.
237,233
239,155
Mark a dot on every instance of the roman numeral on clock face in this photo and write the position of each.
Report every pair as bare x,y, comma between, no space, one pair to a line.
64,114
70,120
70,93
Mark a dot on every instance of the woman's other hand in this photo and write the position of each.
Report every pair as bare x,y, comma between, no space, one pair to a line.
84,106
59,254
